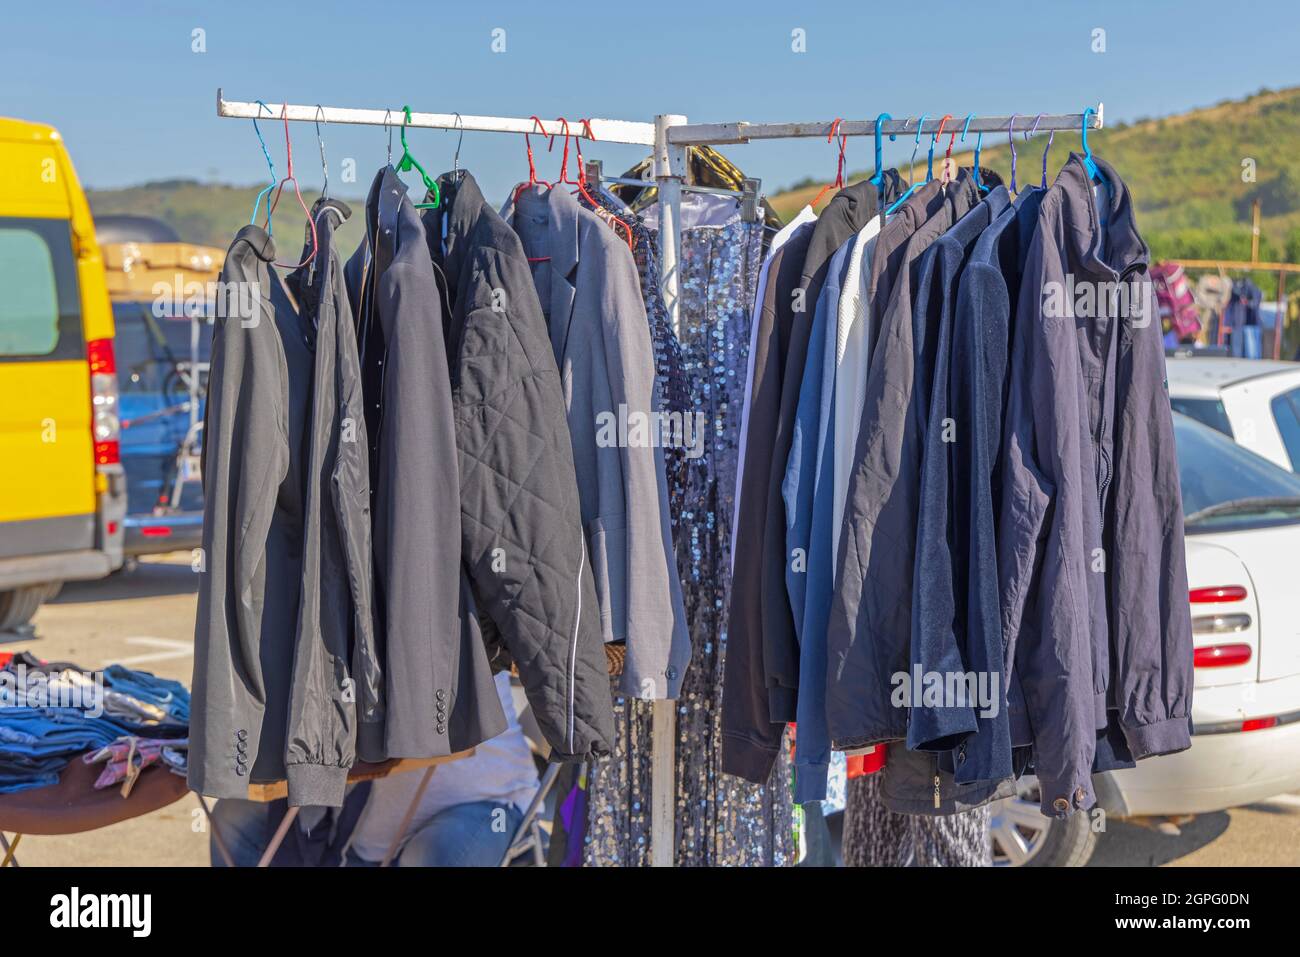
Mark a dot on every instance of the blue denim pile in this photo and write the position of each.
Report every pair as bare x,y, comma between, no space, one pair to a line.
37,743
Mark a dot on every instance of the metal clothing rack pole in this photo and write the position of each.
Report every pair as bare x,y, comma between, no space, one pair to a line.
663,784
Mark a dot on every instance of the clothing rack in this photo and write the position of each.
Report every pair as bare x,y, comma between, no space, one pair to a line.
670,135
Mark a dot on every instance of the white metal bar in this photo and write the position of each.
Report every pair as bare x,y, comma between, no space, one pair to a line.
602,130
701,134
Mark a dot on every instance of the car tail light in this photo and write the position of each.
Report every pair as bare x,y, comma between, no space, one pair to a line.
155,531
1211,596
103,397
1257,724
1219,624
1220,656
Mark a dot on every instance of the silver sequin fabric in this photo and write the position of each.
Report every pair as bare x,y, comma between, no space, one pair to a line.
875,836
720,820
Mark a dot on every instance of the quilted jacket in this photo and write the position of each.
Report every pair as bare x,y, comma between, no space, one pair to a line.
521,526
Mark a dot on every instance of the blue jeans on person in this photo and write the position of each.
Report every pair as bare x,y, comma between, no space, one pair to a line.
455,837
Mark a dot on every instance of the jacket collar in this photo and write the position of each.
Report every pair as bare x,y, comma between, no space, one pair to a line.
255,240
1115,248
452,225
547,221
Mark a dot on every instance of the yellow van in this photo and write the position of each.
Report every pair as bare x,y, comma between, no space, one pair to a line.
62,488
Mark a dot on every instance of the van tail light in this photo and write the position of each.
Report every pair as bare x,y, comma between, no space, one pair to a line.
1258,724
105,423
1220,656
1212,596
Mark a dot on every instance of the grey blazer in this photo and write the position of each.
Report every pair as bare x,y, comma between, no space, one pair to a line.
587,282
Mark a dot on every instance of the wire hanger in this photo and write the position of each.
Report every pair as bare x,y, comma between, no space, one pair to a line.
455,159
271,166
389,126
532,166
1011,141
1050,136
839,168
582,184
911,164
979,143
291,178
320,142
408,162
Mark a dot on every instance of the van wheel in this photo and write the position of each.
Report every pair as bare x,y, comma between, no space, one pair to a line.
18,605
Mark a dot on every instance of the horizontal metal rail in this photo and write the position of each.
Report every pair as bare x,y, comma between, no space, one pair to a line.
601,130
715,134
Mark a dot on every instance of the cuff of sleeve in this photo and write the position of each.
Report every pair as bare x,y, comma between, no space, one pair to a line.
744,758
316,785
1159,737
810,782
781,704
1061,798
939,729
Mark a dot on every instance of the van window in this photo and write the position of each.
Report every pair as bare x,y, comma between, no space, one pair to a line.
40,309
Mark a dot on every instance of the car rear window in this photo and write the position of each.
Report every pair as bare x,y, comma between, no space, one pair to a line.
150,348
1286,413
40,309
1208,411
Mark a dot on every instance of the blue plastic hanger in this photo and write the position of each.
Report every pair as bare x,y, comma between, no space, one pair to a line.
271,166
915,146
1093,171
979,143
878,177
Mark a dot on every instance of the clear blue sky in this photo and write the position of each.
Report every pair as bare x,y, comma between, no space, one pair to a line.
135,104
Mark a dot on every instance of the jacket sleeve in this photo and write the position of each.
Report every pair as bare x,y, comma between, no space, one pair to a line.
521,525
245,453
1043,553
1152,619
935,647
637,535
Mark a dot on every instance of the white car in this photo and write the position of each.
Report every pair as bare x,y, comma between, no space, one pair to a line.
1256,402
1242,517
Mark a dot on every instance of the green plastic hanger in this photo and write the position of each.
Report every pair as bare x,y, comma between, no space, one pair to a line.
409,162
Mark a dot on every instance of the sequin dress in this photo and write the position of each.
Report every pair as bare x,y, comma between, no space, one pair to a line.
720,820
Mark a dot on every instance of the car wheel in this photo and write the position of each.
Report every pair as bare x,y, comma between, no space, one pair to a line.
1023,837
18,605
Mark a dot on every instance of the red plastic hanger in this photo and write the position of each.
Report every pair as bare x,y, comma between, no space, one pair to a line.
290,178
532,167
839,169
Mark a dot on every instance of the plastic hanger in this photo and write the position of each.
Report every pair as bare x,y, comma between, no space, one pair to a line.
408,162
878,177
839,168
947,156
291,178
532,166
271,166
911,164
1094,173
1050,136
1011,141
934,138
979,144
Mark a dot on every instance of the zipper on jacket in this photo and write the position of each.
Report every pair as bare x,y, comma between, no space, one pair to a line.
938,802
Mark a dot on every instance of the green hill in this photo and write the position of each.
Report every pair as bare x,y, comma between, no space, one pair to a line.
1185,172
211,213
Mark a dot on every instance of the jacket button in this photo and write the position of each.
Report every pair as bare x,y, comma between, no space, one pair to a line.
440,694
241,734
242,747
239,769
1061,805
1079,797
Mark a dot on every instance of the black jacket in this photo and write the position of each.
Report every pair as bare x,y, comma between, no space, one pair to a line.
521,527
440,694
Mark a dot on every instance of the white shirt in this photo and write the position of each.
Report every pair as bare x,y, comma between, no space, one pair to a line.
853,341
500,770
806,215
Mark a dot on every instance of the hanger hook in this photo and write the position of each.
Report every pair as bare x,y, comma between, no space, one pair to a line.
911,164
455,160
1083,133
879,176
324,166
1051,136
935,139
389,126
965,126
564,162
1011,141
